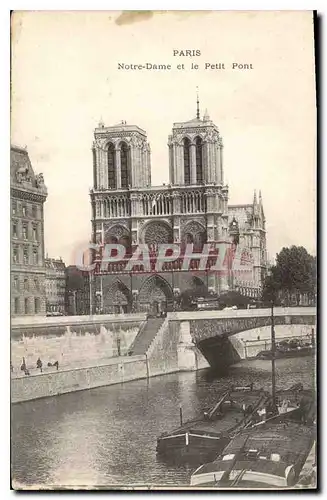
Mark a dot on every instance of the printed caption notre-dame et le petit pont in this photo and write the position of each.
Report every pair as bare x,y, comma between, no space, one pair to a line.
186,64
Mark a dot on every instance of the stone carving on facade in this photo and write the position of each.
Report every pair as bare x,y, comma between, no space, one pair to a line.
39,179
99,143
156,233
176,140
155,289
210,192
22,174
189,130
117,230
137,142
199,220
211,136
193,228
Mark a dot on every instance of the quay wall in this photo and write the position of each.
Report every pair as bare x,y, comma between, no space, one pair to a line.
42,385
86,350
72,341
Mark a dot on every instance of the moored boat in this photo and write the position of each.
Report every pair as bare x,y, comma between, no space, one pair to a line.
205,437
288,349
270,454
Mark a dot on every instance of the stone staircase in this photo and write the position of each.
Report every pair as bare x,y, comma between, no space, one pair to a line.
145,336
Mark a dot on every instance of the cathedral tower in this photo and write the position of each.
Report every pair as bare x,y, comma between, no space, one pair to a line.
121,157
196,152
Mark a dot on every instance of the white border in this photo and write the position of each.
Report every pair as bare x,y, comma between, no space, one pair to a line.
4,170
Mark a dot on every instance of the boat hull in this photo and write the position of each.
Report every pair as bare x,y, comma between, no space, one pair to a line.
203,439
292,353
191,447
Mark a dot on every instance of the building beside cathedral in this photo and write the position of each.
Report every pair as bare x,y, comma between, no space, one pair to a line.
192,208
55,285
28,194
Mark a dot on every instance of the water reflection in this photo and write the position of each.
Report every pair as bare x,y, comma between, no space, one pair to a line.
107,436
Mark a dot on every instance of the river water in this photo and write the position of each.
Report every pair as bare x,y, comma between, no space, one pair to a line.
107,436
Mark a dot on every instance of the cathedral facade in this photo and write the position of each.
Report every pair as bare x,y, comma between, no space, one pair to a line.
192,209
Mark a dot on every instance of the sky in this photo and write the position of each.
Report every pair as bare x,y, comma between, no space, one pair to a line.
65,79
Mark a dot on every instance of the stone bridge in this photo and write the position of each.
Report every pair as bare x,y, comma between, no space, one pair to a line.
213,331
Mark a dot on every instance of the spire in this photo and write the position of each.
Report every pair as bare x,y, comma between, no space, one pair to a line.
261,206
255,198
206,116
197,104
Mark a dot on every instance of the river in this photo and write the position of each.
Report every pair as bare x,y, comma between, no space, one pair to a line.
107,436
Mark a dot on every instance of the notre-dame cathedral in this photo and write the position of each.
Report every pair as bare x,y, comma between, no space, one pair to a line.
192,208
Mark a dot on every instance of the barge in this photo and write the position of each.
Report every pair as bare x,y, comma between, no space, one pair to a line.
271,454
202,439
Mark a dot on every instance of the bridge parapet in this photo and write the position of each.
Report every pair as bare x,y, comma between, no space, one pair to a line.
208,324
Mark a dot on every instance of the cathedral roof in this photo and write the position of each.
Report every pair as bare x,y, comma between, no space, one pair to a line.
195,122
119,127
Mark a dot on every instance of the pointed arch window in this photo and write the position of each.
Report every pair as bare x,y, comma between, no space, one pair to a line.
198,159
111,166
124,161
187,167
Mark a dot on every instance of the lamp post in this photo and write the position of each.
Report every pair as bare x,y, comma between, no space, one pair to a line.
273,352
90,292
273,347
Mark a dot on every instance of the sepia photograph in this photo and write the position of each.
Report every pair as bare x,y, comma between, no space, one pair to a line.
163,256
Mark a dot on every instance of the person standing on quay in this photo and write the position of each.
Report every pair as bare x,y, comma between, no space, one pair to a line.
118,346
39,364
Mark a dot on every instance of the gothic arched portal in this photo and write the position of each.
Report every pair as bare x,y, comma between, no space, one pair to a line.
117,298
156,295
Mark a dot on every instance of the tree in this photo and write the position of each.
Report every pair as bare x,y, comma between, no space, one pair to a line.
293,276
272,286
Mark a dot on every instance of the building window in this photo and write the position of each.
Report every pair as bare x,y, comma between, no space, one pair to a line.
124,165
35,259
24,210
15,255
198,157
25,283
15,283
16,305
25,258
34,233
111,166
25,232
14,230
14,208
26,306
36,284
37,304
187,168
34,211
